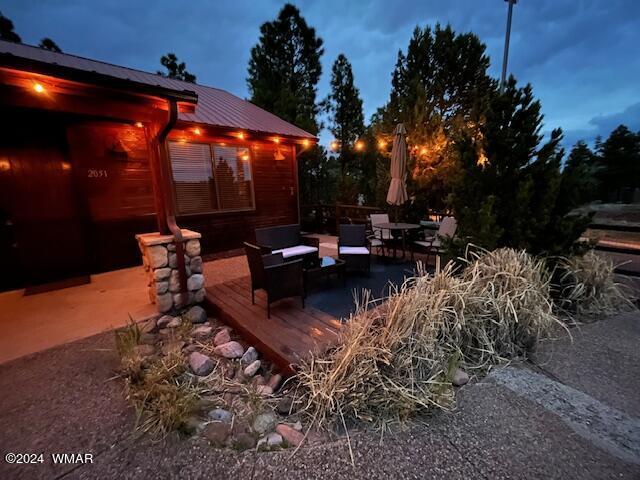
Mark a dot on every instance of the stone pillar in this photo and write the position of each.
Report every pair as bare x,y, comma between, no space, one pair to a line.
160,262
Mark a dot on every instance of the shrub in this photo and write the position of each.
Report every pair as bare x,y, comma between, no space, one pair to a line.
588,287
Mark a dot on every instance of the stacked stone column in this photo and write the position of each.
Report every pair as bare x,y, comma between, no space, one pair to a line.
161,264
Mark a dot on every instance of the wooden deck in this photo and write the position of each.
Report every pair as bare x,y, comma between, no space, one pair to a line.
289,336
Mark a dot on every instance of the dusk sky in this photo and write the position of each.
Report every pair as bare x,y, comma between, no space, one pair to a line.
581,56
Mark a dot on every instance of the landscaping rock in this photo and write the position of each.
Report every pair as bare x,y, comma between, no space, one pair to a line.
252,369
265,422
196,264
220,415
250,356
264,390
192,248
175,322
202,331
181,299
460,378
216,433
176,345
163,321
229,350
162,287
274,381
285,406
199,295
144,350
297,426
200,364
271,440
196,315
161,274
195,282
259,380
174,281
173,260
157,256
222,337
190,349
291,435
149,326
164,302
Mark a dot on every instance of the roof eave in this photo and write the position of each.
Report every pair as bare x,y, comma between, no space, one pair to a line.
94,78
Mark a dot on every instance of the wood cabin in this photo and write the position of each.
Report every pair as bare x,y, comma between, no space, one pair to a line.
92,154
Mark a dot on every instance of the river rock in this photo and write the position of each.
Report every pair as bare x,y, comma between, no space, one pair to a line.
175,322
202,331
222,337
250,356
290,434
274,381
158,256
265,422
252,369
192,248
271,440
161,274
216,433
460,378
196,264
200,364
196,315
229,350
164,320
264,390
195,282
220,415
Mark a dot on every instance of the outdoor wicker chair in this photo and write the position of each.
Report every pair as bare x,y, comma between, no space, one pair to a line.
279,279
354,247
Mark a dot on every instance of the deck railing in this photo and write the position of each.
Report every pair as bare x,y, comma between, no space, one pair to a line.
325,218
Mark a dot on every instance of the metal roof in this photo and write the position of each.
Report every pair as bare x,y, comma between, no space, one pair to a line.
215,107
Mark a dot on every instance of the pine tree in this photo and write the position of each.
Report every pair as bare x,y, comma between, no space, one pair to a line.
506,192
48,44
620,157
344,106
579,177
174,69
440,87
6,30
285,68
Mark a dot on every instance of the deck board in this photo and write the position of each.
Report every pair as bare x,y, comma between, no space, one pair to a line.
292,333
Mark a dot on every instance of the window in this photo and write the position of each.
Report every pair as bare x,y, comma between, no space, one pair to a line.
211,178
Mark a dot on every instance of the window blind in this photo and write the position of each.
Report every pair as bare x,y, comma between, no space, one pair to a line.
233,177
193,177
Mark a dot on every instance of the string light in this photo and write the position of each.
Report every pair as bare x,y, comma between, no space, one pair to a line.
197,131
334,146
359,145
382,144
240,135
305,143
139,124
276,140
38,88
423,151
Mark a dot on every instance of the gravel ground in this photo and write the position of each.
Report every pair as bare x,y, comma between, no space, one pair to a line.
66,400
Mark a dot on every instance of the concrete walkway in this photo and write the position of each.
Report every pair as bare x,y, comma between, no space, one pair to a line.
571,414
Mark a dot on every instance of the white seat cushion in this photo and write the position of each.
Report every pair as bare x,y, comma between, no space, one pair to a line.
354,250
375,242
296,251
435,243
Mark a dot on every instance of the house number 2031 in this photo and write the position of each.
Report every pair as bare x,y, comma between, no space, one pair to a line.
97,173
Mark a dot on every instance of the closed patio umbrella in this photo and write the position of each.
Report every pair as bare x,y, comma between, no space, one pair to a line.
397,194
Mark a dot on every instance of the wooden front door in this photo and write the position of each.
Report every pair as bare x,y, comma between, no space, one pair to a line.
41,233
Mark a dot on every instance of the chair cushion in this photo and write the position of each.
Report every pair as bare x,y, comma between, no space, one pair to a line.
354,250
375,242
435,243
296,251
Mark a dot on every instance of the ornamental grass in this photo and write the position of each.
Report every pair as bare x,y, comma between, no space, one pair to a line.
397,359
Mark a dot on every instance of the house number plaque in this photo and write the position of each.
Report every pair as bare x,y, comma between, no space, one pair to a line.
92,173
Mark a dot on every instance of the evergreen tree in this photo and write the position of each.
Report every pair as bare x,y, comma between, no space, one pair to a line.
174,69
440,87
620,156
48,44
345,109
6,30
506,192
285,68
579,183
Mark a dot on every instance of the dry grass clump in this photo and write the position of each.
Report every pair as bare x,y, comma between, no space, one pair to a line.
588,287
508,306
398,359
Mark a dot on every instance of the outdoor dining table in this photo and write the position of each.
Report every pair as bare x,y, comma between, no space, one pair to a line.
401,227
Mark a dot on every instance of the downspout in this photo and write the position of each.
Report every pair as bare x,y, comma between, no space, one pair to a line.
167,185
